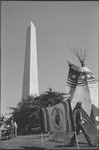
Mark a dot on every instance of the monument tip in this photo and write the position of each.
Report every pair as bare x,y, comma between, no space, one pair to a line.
32,24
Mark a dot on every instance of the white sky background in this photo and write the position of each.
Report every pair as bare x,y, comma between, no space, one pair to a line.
58,25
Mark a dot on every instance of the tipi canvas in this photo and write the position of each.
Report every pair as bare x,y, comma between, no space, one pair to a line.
83,88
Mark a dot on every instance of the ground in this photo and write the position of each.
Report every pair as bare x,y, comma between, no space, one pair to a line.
34,142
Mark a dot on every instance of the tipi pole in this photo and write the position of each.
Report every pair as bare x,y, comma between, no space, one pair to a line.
42,139
76,140
62,145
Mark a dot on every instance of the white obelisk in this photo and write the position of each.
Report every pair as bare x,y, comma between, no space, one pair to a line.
30,78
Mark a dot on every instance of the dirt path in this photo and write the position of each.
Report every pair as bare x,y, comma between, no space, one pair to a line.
34,142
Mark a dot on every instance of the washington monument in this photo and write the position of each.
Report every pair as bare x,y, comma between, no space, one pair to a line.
30,77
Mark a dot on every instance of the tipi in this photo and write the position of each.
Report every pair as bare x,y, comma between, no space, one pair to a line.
82,86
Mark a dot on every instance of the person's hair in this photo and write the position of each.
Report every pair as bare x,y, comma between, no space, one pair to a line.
78,105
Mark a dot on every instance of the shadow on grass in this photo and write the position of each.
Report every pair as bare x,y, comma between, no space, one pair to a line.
26,148
68,145
34,138
82,147
33,148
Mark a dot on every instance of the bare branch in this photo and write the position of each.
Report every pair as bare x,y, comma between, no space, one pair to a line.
80,54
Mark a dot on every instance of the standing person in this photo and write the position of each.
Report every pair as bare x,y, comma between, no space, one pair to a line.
1,126
15,129
12,128
79,126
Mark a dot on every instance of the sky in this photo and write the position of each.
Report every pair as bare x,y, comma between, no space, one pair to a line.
58,25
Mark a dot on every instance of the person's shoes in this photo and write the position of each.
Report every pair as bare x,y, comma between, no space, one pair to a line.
71,145
91,145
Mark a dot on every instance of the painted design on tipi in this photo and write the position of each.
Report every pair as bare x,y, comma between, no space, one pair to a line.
57,115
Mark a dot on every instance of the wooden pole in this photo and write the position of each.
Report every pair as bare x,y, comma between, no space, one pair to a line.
0,67
42,139
76,140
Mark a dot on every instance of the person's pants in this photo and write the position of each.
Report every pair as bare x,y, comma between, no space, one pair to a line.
15,134
80,127
12,133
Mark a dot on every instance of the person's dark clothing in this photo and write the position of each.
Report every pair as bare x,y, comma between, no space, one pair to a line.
78,117
79,126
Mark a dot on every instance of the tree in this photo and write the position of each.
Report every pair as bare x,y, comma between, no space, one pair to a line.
26,113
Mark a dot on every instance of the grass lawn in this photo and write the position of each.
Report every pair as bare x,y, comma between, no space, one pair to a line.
34,142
